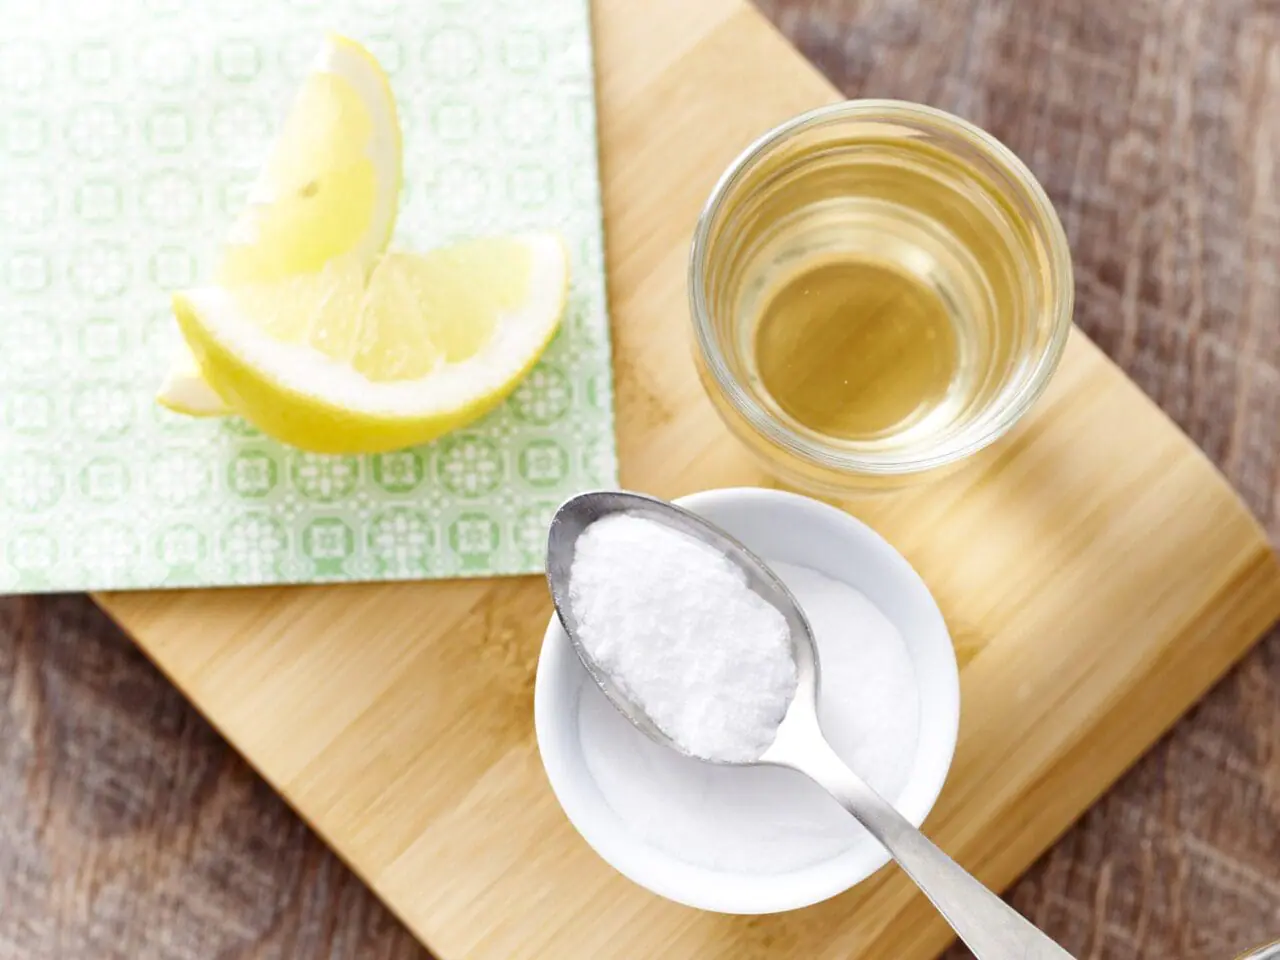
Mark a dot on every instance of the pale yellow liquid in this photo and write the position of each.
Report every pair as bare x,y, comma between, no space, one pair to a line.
882,297
856,349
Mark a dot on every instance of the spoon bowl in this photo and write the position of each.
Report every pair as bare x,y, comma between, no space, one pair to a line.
990,928
579,512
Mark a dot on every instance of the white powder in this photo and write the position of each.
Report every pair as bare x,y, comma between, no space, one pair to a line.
673,623
766,819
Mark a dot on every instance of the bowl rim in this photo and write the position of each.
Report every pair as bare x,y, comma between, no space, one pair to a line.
560,675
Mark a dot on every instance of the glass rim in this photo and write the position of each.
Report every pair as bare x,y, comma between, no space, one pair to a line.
767,424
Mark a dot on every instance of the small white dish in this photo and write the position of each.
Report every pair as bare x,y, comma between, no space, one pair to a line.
794,529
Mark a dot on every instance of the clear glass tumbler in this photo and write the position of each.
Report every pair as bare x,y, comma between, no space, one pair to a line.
878,291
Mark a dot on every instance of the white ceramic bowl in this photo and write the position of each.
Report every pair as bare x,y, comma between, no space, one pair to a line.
795,529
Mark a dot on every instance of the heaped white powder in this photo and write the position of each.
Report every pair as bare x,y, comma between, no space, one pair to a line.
766,819
673,623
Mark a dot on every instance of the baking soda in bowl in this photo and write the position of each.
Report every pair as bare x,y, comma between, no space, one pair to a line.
768,820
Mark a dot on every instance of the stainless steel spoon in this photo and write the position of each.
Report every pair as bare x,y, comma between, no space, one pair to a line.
990,928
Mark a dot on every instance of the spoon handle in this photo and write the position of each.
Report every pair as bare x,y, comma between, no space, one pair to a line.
989,927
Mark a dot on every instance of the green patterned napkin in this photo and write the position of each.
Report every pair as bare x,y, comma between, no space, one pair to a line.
130,131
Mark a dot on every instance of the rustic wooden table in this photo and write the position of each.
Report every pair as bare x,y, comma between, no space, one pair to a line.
128,829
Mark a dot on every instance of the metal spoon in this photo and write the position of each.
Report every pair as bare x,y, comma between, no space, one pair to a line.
990,928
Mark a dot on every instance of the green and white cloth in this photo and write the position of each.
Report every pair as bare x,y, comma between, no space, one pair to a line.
130,131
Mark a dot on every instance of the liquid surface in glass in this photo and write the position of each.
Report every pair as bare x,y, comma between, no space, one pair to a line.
855,348
883,296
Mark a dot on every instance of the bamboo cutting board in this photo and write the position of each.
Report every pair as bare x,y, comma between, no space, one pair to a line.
1096,572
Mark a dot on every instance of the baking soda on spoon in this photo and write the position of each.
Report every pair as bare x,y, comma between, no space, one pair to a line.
750,819
673,623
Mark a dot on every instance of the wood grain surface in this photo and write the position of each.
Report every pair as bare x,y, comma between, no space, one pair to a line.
127,829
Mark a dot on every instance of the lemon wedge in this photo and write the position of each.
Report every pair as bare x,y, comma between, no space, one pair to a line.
337,362
329,190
